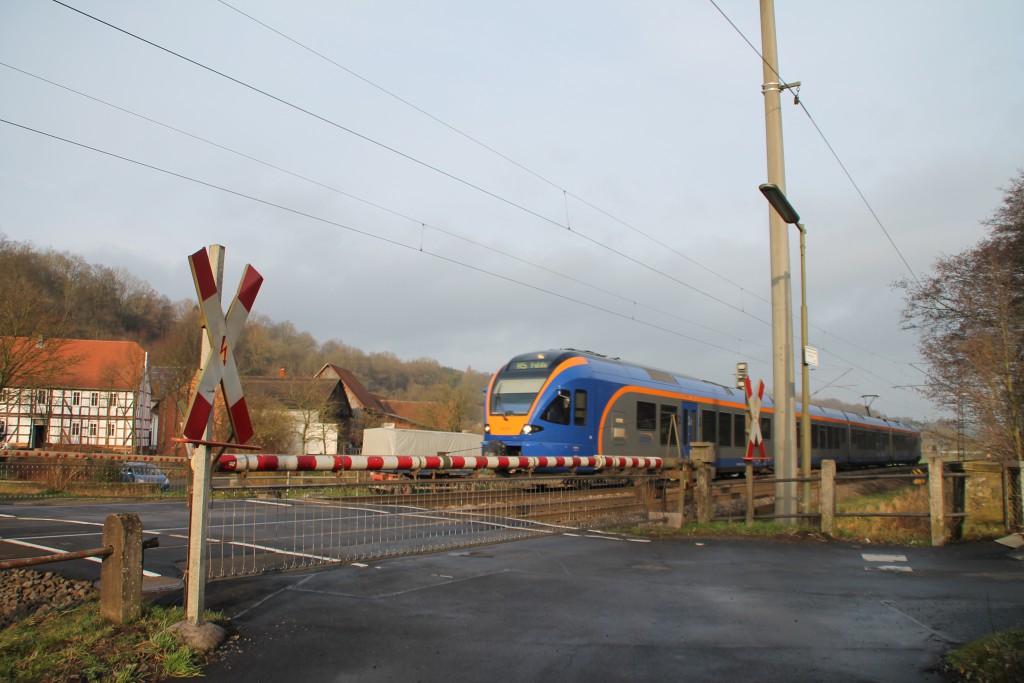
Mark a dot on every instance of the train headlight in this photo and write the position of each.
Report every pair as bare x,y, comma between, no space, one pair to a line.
531,429
487,429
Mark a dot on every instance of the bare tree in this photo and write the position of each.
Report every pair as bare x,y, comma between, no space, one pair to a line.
970,317
33,326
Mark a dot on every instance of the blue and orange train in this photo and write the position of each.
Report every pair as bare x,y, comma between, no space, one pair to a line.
568,402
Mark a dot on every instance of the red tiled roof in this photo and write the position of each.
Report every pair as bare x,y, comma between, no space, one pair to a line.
109,365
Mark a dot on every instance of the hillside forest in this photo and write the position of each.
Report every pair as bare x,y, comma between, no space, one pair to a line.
58,295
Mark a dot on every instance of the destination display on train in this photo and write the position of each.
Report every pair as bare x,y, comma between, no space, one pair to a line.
530,365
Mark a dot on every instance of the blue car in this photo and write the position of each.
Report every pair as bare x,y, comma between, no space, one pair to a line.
144,473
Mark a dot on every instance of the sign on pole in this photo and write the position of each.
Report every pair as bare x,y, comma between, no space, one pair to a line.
754,410
219,367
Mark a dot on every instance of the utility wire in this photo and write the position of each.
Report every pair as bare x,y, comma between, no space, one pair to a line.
824,139
477,141
567,193
371,235
413,159
442,172
380,207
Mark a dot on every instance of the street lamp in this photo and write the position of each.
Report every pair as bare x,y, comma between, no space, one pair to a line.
777,198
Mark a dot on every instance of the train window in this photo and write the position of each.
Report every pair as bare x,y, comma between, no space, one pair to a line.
514,396
766,428
669,426
814,435
579,412
557,411
646,416
724,429
708,420
739,430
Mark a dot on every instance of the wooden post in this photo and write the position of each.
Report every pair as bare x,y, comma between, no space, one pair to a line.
827,496
1013,496
685,477
749,474
121,571
703,494
936,506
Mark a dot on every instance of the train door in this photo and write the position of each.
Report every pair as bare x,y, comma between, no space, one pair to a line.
676,425
688,426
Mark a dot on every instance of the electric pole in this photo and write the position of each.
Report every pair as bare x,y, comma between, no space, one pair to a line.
784,419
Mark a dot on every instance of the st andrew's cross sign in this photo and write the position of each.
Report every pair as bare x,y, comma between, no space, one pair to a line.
219,367
754,411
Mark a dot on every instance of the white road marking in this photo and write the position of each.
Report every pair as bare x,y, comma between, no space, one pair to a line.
871,557
868,557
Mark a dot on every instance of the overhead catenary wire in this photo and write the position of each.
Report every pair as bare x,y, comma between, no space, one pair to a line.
824,138
423,225
365,233
458,131
566,193
415,160
443,172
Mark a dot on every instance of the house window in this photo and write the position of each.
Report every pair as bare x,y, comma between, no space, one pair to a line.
92,429
94,398
112,399
76,429
76,398
41,396
110,429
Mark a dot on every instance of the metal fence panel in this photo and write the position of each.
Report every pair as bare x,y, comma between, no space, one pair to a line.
67,477
258,529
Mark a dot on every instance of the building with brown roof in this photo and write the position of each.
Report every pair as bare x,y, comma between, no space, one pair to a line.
373,409
74,392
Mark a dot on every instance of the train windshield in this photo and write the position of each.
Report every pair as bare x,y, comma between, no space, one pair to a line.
515,395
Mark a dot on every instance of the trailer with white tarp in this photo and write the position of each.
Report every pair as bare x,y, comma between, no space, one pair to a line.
389,441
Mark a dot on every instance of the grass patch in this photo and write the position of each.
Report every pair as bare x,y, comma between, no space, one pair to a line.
78,645
732,529
984,501
997,658
891,530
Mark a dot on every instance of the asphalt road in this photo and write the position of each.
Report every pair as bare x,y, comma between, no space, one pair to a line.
604,608
589,607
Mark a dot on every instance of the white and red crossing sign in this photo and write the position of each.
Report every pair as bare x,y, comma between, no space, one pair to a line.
219,367
754,410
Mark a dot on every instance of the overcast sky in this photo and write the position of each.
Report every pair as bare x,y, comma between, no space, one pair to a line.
467,181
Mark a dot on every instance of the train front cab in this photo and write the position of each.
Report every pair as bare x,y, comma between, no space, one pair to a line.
540,405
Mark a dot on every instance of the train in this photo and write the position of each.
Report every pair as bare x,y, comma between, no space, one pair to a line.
580,403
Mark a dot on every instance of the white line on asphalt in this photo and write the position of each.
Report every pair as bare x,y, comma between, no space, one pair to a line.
868,557
256,501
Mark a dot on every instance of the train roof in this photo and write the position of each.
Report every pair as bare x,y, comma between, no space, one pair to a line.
664,379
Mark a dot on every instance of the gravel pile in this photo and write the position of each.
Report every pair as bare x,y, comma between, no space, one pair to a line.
24,592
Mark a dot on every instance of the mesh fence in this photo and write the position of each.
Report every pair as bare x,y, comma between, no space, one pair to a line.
261,528
71,477
262,522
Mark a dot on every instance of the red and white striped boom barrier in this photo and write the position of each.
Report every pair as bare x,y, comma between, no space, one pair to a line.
339,463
